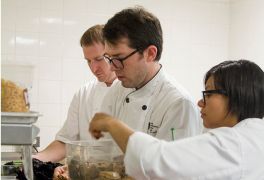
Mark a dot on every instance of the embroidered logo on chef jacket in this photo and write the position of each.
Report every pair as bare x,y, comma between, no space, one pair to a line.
152,129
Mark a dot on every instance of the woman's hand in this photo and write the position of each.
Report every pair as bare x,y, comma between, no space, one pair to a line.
120,132
101,122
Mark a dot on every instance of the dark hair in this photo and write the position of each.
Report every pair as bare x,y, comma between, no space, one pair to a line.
138,25
93,35
243,82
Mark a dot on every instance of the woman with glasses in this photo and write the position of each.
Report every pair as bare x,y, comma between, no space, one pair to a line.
232,106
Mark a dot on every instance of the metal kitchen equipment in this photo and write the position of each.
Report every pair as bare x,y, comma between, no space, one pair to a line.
18,129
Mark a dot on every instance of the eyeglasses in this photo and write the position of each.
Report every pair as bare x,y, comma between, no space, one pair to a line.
118,62
210,92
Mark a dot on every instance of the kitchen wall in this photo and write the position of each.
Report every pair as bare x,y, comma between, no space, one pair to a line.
246,37
197,35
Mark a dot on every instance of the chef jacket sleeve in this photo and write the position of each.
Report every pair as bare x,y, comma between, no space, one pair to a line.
209,156
70,129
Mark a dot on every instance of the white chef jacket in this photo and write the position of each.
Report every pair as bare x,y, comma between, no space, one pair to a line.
235,153
85,103
155,108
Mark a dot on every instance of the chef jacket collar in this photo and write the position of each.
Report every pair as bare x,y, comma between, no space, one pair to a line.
150,87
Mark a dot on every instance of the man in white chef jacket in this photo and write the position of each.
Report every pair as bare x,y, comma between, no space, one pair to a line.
146,98
87,101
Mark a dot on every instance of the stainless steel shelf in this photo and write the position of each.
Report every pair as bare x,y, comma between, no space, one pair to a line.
8,178
10,156
19,117
18,129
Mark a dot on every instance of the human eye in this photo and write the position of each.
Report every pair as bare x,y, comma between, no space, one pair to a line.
100,58
208,95
117,58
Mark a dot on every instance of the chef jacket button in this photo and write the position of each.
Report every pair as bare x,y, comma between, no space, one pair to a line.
127,100
144,107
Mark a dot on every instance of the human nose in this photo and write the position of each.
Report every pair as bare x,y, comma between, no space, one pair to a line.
94,66
201,103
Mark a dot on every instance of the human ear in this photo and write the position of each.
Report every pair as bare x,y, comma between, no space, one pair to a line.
150,53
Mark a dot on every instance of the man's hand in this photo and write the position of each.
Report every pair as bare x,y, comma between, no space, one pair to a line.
61,173
101,122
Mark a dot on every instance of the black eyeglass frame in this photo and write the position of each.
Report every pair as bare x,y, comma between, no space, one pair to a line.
112,60
215,91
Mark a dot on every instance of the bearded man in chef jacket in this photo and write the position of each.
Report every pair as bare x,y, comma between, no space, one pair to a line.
87,101
145,97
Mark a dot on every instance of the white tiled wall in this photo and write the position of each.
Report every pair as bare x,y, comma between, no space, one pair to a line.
246,37
46,33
